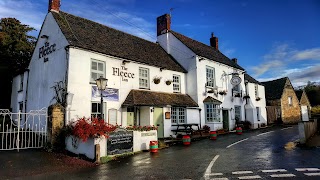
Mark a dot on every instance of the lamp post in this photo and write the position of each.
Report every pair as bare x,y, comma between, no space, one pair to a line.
101,84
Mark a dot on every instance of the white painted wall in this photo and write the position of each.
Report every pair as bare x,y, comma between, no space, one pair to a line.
43,75
196,78
18,95
79,82
252,103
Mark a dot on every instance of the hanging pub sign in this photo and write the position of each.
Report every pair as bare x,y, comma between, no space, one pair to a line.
109,94
123,73
235,80
46,50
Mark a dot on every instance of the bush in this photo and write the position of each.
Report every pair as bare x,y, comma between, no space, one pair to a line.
91,127
315,111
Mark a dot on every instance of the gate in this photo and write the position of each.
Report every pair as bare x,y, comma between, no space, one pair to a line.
23,130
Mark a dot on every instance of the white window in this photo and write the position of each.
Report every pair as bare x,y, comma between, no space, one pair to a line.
143,78
256,92
210,75
290,101
237,113
21,82
176,83
97,70
213,112
178,115
96,109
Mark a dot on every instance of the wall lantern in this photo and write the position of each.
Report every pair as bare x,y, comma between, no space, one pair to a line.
124,62
101,84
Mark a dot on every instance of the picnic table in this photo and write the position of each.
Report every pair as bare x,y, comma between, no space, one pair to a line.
188,128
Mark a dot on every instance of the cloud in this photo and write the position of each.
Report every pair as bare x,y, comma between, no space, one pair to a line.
263,68
313,54
284,60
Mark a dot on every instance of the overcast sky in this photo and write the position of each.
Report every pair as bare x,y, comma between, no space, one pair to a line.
270,38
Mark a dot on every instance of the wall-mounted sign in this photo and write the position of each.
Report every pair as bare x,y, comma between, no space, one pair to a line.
109,94
123,72
167,115
235,80
46,50
120,142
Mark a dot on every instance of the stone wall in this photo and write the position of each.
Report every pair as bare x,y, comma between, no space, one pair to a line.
304,99
307,129
290,113
56,121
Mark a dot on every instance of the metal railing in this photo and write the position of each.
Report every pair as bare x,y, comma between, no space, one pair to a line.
23,130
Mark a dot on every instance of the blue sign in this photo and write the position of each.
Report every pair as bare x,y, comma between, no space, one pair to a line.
109,94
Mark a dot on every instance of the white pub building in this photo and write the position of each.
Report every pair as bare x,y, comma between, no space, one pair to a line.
173,81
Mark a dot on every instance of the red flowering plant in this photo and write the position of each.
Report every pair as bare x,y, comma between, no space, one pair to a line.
142,128
91,127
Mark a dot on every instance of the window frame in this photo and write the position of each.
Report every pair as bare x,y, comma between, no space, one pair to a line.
21,82
97,71
256,90
175,84
144,78
213,111
96,114
290,103
213,78
178,115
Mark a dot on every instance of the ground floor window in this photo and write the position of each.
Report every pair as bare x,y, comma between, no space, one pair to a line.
213,112
237,113
96,110
178,115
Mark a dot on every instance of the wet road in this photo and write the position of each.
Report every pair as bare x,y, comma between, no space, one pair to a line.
253,155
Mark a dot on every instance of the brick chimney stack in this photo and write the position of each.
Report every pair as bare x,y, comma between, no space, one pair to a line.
54,5
163,24
214,42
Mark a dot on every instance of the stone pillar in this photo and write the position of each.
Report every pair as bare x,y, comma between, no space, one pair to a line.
56,121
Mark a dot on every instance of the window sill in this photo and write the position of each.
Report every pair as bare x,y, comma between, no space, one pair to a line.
144,88
213,122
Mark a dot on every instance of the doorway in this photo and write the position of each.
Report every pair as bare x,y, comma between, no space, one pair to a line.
158,121
130,116
225,117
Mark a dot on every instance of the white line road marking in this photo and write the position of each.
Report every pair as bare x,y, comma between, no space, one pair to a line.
312,174
237,142
219,178
265,133
307,169
215,174
208,170
242,172
282,175
250,177
274,170
286,128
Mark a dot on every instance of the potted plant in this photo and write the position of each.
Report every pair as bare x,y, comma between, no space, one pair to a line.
258,98
223,92
220,131
206,128
168,82
156,80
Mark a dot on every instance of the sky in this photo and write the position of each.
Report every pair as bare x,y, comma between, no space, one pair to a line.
270,38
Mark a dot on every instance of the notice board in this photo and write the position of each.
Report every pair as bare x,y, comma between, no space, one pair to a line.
120,142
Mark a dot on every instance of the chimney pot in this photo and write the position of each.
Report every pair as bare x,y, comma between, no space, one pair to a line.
235,60
54,5
214,42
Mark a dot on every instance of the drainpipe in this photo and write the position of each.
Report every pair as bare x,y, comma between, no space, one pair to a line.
66,86
25,98
200,117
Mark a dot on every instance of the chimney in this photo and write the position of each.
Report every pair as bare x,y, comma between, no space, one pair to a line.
214,42
235,60
163,24
54,5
